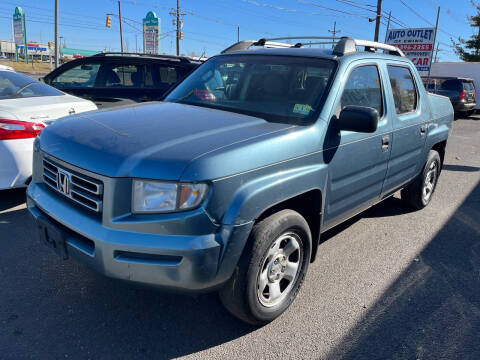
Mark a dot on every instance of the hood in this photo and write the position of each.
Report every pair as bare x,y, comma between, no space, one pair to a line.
154,140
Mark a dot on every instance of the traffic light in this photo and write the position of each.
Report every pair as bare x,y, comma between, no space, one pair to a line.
181,35
108,22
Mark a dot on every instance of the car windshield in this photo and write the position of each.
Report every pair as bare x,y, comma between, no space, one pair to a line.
14,85
275,88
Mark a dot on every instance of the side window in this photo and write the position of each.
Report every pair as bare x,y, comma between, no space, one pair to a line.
168,75
79,76
403,88
363,89
129,76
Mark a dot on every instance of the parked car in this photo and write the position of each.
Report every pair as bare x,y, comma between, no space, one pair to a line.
462,69
26,107
228,184
111,79
460,91
6,68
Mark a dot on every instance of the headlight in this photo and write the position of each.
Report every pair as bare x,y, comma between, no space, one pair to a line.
157,196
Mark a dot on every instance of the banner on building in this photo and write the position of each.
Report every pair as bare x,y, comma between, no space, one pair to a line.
151,34
417,45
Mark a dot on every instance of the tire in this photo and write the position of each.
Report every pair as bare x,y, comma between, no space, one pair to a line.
419,193
276,245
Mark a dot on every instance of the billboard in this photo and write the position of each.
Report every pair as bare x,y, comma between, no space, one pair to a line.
19,26
151,34
417,44
19,31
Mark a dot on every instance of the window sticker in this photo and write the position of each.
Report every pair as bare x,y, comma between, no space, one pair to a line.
303,109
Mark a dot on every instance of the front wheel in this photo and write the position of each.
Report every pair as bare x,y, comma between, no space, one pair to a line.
419,193
271,269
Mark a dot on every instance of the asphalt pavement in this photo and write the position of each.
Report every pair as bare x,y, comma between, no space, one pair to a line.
389,284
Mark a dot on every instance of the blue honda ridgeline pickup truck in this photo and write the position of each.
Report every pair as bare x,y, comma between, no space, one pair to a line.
228,183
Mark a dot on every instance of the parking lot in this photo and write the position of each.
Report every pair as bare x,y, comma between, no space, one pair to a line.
390,283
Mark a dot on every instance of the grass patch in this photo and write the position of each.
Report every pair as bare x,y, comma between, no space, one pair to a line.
35,68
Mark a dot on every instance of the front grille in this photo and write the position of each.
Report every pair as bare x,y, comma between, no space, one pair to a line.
79,188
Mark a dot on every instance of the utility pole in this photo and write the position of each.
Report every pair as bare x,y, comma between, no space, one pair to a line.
434,40
378,18
388,25
136,43
334,32
238,33
178,27
120,21
178,15
57,53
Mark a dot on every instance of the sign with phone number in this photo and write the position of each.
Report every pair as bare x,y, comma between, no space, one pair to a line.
417,45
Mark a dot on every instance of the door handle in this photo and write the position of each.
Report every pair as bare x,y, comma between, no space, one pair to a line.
423,130
385,143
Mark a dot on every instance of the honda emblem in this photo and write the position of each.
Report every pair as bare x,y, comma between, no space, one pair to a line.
63,182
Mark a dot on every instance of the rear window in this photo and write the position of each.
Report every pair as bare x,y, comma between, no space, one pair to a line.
468,86
14,85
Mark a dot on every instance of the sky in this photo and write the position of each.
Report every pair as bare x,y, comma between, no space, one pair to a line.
211,25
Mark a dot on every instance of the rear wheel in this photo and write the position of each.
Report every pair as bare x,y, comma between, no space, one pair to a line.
271,269
419,193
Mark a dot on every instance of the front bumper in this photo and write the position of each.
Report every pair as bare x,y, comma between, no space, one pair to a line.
184,263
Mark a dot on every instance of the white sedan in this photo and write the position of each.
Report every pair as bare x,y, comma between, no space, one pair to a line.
26,107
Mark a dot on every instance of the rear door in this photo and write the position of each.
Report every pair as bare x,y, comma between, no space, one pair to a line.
357,162
410,126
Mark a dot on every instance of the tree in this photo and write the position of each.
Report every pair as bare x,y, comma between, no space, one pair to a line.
469,50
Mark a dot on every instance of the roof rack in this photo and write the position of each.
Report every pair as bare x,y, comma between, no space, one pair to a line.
344,45
158,56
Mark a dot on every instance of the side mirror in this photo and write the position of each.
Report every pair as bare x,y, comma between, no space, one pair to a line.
358,118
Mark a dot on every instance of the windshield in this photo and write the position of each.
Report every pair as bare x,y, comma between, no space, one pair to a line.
14,85
275,88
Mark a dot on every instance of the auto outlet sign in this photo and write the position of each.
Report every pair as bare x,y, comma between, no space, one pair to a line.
151,34
417,45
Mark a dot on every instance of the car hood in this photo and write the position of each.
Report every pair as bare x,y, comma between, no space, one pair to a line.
154,140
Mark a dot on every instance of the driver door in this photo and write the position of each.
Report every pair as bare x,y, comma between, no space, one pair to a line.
357,162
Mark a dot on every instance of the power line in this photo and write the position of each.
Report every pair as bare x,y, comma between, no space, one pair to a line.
333,9
421,17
